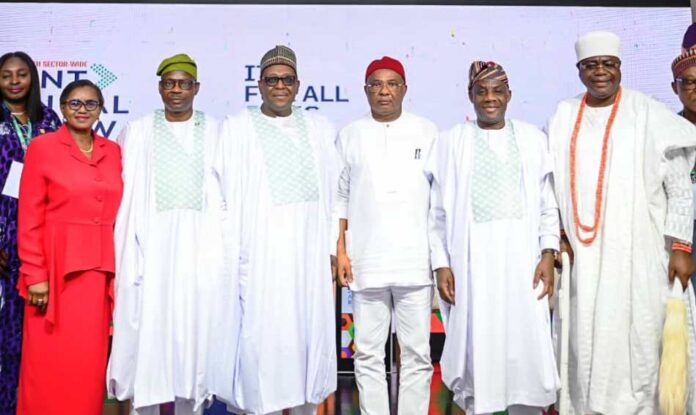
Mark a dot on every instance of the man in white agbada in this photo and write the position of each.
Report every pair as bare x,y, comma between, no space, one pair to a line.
498,226
684,85
278,168
622,163
168,249
383,252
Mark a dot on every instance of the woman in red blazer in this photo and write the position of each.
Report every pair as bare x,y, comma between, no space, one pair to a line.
69,194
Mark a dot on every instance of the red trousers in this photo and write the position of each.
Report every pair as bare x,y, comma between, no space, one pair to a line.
63,368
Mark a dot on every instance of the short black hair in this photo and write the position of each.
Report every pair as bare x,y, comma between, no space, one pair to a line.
80,83
33,99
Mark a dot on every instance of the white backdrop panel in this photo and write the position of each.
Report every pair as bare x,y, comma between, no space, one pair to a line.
334,44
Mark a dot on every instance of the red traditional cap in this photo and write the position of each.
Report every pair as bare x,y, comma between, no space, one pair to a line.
386,63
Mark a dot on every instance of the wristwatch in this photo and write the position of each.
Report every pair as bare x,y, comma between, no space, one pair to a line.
550,251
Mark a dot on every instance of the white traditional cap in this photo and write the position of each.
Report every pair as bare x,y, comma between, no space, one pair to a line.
597,44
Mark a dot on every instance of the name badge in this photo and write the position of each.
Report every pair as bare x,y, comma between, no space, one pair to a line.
11,187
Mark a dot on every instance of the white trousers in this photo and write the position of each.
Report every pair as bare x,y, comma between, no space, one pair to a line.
306,409
523,410
372,311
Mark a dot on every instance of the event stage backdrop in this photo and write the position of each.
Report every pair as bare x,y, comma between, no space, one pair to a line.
120,46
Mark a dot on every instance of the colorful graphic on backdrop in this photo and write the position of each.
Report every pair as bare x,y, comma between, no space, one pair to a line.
56,74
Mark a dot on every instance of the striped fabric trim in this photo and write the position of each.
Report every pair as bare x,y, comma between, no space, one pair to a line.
683,62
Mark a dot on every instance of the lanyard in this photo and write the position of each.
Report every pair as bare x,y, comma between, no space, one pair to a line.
23,138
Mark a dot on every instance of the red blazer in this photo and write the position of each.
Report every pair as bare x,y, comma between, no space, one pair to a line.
67,210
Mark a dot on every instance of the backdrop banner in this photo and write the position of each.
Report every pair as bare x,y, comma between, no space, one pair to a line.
120,45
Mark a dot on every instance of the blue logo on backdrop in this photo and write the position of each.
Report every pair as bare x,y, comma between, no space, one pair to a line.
55,75
309,97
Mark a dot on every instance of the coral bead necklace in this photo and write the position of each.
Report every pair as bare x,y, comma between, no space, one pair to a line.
599,192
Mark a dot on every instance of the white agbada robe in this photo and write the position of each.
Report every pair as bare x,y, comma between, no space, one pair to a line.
284,355
498,351
169,262
619,283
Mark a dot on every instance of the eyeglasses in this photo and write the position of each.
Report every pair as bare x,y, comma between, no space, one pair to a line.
376,86
686,84
185,84
76,104
594,64
288,80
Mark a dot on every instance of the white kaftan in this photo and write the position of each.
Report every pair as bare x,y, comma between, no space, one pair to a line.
169,257
384,195
498,350
619,283
279,176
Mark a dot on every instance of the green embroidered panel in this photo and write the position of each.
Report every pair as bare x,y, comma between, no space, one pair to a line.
290,166
178,171
496,184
